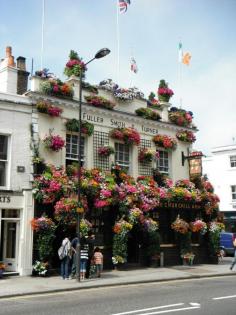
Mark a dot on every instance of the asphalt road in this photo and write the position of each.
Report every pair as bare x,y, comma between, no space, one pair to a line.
201,297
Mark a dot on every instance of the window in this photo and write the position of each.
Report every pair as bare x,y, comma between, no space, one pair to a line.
72,149
233,161
3,159
233,191
122,155
163,162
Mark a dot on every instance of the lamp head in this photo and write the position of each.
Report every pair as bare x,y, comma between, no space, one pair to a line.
102,53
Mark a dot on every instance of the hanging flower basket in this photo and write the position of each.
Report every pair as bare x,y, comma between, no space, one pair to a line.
106,151
165,141
153,102
99,101
180,117
186,136
180,226
146,155
75,65
198,226
42,224
67,209
54,142
47,108
164,93
44,73
121,93
128,135
56,87
73,126
148,113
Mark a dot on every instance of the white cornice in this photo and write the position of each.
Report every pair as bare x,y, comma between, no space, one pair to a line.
35,96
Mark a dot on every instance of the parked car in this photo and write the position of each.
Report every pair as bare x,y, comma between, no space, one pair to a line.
226,242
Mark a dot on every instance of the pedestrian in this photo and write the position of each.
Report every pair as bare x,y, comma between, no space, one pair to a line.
83,260
90,240
64,253
234,260
98,261
74,243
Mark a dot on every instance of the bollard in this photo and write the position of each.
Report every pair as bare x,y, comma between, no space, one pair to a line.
162,259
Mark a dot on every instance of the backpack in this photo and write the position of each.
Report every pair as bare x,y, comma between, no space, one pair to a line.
61,252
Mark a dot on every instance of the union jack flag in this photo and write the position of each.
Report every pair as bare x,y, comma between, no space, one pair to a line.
133,66
123,5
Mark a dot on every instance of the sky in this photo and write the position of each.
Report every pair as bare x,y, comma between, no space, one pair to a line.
149,31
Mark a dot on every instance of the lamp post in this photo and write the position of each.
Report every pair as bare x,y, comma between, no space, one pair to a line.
100,54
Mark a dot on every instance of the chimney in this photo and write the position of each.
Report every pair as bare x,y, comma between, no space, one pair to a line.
8,73
22,76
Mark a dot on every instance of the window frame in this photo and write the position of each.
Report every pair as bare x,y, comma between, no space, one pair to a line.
6,161
233,193
160,168
68,155
232,160
124,164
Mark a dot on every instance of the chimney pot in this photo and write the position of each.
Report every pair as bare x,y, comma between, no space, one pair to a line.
8,51
21,63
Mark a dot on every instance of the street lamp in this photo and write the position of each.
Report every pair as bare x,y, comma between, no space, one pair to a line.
100,54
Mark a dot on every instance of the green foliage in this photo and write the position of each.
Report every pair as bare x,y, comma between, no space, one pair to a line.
73,55
120,246
73,125
44,245
147,113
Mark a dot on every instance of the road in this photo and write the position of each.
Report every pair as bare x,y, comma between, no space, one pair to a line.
201,297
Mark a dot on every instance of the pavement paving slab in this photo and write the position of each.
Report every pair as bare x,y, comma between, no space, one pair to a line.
13,286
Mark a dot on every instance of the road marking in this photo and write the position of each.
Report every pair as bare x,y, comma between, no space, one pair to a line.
173,310
148,309
224,297
195,304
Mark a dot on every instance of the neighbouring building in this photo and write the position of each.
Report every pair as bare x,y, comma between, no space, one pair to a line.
220,168
16,202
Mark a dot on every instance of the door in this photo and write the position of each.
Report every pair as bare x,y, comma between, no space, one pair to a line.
10,244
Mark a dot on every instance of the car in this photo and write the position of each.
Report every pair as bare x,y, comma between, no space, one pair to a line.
226,242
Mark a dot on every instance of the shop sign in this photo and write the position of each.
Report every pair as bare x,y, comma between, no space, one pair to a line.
195,168
117,123
179,205
5,199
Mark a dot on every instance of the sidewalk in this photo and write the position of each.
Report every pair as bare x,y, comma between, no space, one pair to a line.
17,286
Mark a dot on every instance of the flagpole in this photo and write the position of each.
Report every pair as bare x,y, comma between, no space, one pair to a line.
118,41
131,74
180,73
42,30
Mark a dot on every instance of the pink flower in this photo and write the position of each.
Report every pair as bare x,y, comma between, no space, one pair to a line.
55,88
100,203
106,193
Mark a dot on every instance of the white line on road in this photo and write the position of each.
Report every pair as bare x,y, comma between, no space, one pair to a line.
149,309
173,310
224,297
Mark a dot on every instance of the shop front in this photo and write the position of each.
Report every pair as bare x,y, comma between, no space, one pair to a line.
15,232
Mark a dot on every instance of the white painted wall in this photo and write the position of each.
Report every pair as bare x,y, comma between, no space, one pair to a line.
221,174
15,120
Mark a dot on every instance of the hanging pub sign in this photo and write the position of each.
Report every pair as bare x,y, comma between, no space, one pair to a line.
195,164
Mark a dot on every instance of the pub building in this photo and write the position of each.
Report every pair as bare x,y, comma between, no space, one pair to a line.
175,162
